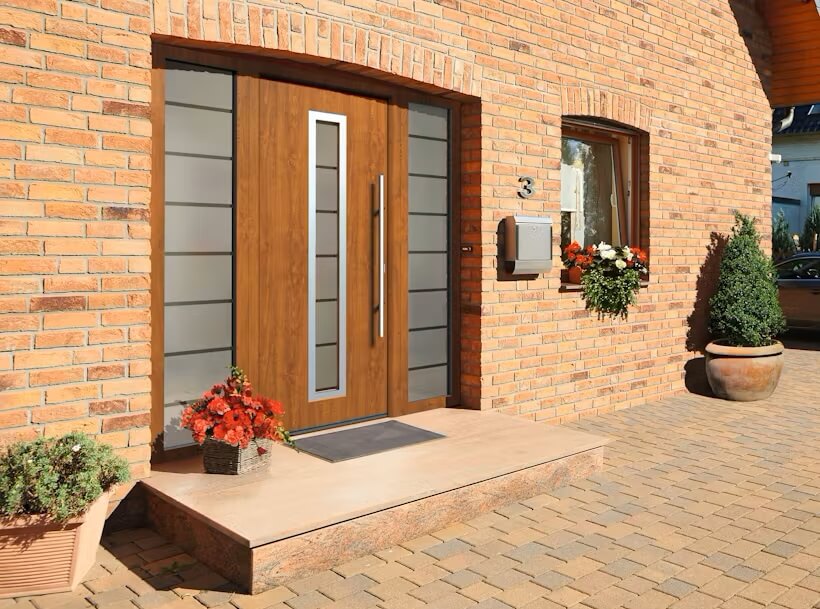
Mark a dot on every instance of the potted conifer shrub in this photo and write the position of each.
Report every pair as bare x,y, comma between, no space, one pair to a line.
744,361
53,502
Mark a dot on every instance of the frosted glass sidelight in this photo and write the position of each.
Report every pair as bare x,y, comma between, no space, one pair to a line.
427,383
427,348
428,271
427,309
200,180
198,262
186,84
428,195
428,121
327,254
190,229
194,278
197,327
428,233
198,131
428,157
429,247
188,376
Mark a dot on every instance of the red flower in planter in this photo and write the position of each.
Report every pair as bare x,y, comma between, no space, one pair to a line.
230,413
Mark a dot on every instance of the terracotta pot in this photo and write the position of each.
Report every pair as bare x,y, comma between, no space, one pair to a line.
743,374
574,275
39,556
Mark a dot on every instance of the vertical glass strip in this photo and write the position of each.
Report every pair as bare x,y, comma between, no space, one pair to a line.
198,256
429,369
327,255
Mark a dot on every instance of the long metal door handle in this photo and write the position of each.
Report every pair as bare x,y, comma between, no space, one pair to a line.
381,255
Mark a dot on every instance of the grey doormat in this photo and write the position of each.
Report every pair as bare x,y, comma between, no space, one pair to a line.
365,440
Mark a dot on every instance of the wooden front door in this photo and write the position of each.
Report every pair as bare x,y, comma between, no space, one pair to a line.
310,256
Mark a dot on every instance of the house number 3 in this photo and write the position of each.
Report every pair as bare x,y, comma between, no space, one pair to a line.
527,187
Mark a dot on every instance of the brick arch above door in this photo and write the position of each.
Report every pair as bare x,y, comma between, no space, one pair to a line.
316,39
585,101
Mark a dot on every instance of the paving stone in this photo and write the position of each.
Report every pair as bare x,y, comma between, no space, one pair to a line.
346,587
552,580
636,584
527,551
314,582
566,596
738,602
402,601
507,579
433,590
427,574
213,598
650,600
594,582
521,595
786,575
697,600
360,565
782,549
622,568
312,599
676,587
723,587
721,561
158,599
609,598
480,591
447,549
461,561
387,571
491,603
103,599
698,575
762,591
798,597
744,574
463,578
359,600
392,588
451,601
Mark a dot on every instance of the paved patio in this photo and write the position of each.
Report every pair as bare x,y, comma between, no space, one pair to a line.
702,504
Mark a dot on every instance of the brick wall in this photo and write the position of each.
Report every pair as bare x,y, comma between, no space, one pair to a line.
75,138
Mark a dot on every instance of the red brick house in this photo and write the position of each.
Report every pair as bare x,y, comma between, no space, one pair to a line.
185,184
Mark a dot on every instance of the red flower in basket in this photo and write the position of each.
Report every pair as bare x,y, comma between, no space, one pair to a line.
230,413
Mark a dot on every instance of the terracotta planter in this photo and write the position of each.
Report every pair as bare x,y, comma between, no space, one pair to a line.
221,458
743,374
38,556
574,275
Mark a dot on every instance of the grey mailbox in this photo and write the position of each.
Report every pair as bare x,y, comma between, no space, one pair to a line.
528,244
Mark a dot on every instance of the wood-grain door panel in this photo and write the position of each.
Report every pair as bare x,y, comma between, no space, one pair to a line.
278,351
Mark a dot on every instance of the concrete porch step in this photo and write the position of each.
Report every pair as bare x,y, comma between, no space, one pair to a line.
303,515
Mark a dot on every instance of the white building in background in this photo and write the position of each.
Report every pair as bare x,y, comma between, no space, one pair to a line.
796,178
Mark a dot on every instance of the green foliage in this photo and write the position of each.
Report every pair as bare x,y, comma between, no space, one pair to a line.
744,310
57,477
810,240
610,293
782,243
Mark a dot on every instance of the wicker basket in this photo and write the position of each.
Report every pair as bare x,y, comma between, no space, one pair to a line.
222,458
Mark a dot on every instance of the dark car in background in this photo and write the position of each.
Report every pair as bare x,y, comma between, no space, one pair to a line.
798,281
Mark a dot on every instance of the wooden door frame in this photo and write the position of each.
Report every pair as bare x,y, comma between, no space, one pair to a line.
328,75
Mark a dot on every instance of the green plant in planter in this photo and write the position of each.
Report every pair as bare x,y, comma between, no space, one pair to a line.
57,477
745,310
782,243
810,239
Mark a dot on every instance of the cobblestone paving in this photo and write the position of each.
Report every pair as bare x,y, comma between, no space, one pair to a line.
702,504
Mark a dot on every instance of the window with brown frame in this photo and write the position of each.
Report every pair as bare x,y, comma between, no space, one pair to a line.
600,166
